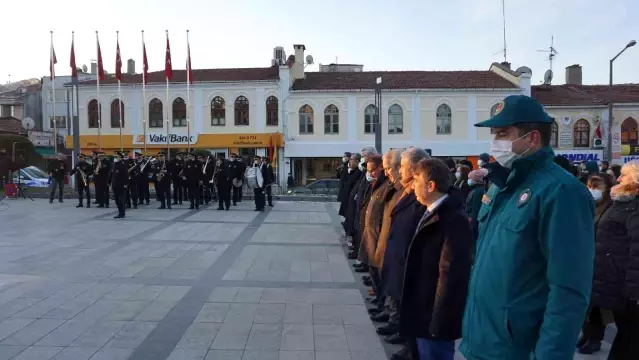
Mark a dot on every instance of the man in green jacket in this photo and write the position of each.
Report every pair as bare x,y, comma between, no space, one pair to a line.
530,285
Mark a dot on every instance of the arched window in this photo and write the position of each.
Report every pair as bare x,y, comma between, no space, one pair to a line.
306,119
241,111
554,135
115,113
395,119
272,109
94,112
444,120
581,134
218,112
179,112
331,120
370,119
156,113
493,109
629,132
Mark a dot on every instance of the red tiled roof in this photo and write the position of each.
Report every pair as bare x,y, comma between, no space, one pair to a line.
199,75
11,125
584,95
403,80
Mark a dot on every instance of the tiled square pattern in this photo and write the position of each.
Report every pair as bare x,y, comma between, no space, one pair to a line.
176,284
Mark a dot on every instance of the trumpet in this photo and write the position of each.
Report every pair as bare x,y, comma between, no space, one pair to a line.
205,165
213,180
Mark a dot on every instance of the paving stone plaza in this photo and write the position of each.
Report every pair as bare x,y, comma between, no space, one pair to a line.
75,284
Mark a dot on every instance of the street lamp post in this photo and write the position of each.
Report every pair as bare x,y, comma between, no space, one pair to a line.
610,117
377,122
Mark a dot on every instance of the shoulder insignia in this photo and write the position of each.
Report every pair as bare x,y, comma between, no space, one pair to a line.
485,199
524,198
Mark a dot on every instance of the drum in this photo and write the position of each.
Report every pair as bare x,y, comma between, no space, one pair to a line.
237,183
254,178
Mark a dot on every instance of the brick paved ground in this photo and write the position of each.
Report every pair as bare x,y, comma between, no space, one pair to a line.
76,284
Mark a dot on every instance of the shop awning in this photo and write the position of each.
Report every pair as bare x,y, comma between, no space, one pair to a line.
45,151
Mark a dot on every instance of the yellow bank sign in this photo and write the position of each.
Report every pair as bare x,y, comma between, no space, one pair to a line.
159,138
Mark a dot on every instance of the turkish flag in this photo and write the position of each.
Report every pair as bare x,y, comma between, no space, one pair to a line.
118,62
168,68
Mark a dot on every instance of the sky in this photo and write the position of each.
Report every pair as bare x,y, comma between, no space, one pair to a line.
380,34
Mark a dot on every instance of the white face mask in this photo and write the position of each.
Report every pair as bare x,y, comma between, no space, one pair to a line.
596,194
502,151
369,177
457,175
362,165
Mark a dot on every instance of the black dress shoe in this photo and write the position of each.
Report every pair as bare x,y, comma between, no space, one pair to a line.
362,270
368,282
118,217
220,208
366,277
395,339
590,347
351,247
403,354
352,255
79,205
357,265
388,329
381,317
375,310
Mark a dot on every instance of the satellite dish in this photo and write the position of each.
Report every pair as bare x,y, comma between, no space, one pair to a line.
309,59
84,68
548,77
28,123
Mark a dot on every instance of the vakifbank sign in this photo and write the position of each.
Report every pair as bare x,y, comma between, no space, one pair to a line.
159,139
581,155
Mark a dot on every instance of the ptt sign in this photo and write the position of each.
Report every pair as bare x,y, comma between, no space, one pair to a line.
581,156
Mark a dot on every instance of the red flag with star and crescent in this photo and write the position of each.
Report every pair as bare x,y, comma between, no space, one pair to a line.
118,62
74,68
168,68
52,63
145,65
100,62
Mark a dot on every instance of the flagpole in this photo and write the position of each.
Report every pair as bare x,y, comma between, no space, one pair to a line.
168,145
117,37
55,123
143,91
97,41
188,93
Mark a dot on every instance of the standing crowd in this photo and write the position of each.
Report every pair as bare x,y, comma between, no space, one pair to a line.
523,257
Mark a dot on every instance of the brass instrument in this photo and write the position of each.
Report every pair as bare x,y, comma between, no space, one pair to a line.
161,174
205,165
97,168
83,176
146,163
218,165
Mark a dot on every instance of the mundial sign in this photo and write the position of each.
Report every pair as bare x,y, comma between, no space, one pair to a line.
581,155
159,138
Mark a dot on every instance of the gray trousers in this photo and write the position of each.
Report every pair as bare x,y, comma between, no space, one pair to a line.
59,184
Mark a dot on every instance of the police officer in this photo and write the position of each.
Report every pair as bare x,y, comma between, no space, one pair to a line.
532,276
178,166
82,171
119,183
131,193
101,178
223,184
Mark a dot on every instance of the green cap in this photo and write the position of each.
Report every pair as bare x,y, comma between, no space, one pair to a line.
517,109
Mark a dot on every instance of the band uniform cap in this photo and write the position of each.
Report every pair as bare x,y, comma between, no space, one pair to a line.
125,152
161,153
82,155
234,154
137,154
117,153
99,153
517,109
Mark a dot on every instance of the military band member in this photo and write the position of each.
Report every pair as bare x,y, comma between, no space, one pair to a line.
119,183
162,170
223,184
208,170
236,168
82,172
149,177
269,179
178,166
139,179
193,175
101,178
131,188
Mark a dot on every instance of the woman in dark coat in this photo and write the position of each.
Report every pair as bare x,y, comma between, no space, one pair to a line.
594,327
616,275
461,181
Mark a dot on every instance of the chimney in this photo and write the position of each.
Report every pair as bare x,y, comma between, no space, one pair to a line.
573,75
130,67
505,64
298,67
94,67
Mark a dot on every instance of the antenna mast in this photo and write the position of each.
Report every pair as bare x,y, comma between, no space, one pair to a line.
503,13
552,52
